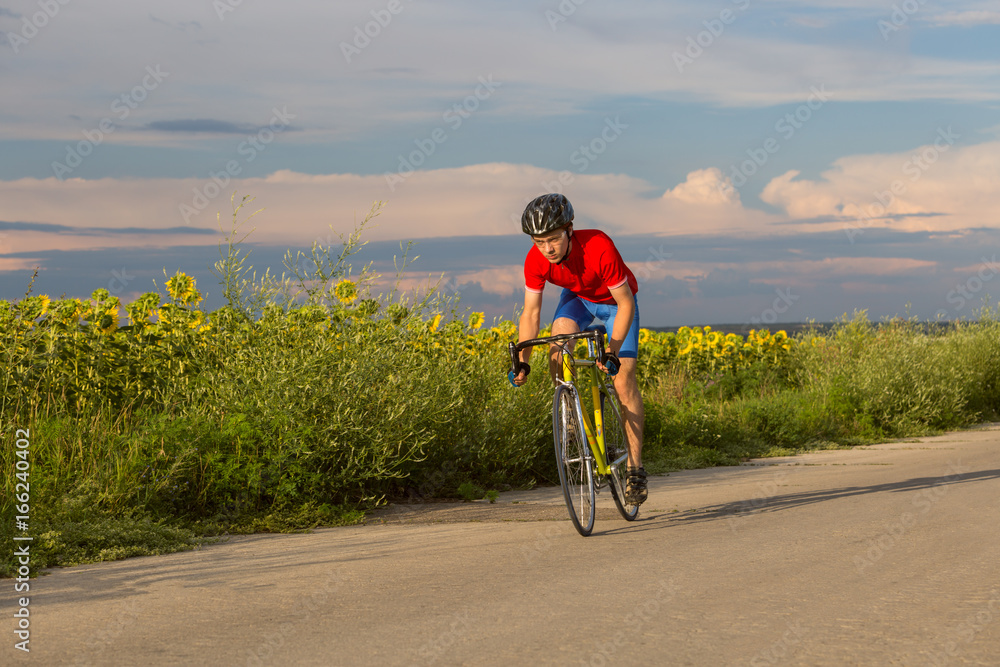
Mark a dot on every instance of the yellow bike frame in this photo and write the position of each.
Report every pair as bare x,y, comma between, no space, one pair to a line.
595,430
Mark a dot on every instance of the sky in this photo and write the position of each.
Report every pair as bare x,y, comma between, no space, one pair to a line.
755,162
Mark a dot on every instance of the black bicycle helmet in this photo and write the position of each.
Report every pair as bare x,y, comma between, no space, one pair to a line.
545,214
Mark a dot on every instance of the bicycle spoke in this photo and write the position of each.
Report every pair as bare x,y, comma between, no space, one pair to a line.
573,460
616,443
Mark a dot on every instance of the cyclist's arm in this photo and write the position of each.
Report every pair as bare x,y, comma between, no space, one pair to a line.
531,321
623,320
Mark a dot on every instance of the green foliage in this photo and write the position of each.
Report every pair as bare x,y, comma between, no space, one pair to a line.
98,539
862,383
301,403
469,491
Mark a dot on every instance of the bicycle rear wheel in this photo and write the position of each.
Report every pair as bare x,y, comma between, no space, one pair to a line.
616,446
573,458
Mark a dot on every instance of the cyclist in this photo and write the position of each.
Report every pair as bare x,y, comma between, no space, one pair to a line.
596,285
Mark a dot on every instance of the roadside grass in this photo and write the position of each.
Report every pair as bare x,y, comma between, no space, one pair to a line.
860,384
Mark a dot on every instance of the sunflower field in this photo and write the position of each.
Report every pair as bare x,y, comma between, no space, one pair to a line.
699,350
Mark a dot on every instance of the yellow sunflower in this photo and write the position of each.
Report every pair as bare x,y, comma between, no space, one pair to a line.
32,308
507,328
109,321
346,291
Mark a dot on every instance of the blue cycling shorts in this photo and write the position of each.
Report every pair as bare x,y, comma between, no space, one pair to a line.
584,313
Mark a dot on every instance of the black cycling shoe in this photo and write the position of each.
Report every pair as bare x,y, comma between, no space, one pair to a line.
635,489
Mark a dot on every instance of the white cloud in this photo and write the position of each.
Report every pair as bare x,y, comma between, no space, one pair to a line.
705,186
484,199
939,187
933,187
498,280
967,18
814,22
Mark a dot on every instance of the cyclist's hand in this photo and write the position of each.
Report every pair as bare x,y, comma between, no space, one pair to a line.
522,375
610,364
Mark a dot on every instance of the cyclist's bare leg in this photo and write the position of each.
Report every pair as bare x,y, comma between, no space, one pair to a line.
563,325
627,388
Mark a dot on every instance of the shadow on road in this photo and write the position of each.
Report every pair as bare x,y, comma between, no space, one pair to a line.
762,502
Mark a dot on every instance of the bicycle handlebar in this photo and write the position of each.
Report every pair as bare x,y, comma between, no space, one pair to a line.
596,334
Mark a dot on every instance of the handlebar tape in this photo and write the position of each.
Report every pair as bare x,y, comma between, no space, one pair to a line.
521,367
612,363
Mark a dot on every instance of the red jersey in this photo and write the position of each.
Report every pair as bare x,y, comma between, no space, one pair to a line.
591,270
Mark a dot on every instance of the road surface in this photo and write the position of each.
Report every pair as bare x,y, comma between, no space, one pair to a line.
884,555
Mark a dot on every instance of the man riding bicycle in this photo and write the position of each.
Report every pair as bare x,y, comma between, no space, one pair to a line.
596,285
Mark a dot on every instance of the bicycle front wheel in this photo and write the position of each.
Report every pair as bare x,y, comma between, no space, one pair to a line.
616,445
576,467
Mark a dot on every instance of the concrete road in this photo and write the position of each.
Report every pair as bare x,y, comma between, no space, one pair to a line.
886,555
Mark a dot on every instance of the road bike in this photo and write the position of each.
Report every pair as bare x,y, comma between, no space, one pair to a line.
591,445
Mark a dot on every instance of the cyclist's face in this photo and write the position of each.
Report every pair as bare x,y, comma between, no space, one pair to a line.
553,246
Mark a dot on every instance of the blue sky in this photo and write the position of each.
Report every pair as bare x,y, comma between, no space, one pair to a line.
754,161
